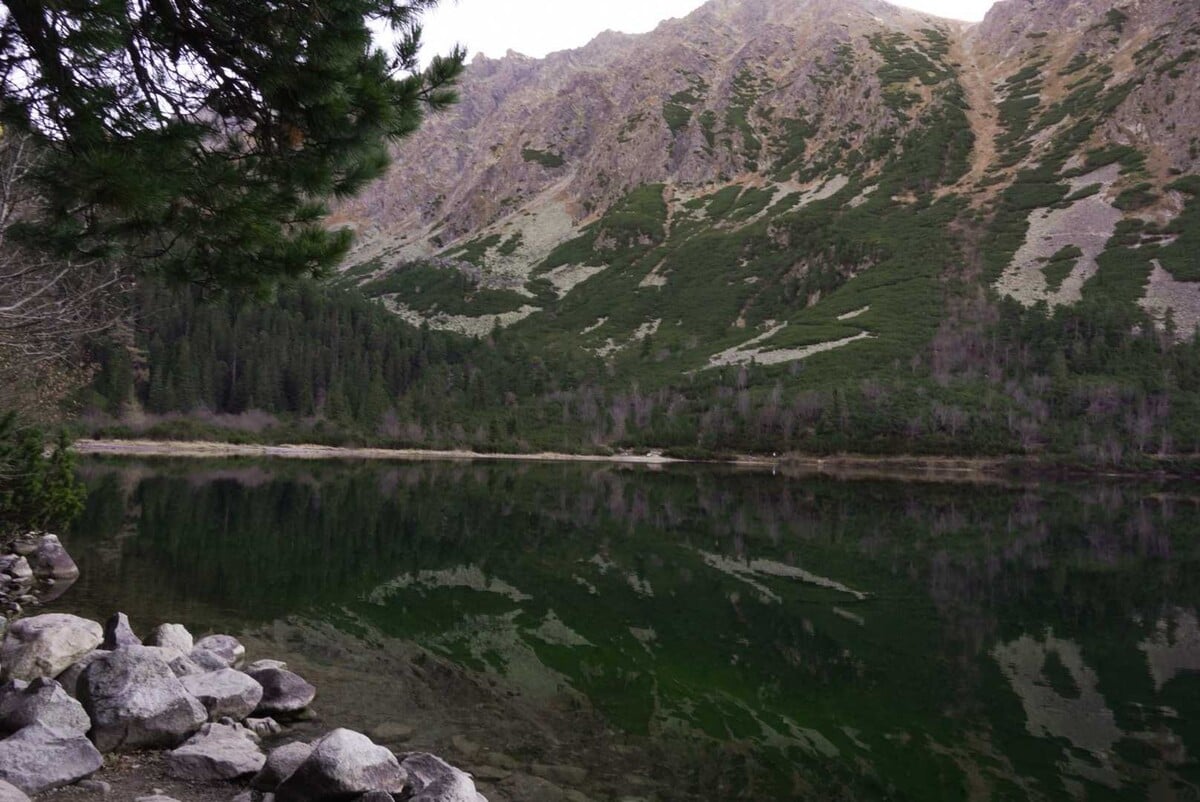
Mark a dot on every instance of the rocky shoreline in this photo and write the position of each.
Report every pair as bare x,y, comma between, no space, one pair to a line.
76,692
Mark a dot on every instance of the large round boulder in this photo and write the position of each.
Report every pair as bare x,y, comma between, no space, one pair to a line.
42,701
284,693
217,752
224,693
342,765
51,561
227,647
173,637
135,701
432,779
46,645
38,759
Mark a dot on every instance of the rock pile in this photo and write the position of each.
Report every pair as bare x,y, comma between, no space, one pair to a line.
74,690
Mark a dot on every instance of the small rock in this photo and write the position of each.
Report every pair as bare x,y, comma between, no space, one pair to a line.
11,793
172,636
135,701
227,647
118,633
283,692
432,779
265,727
15,566
262,665
46,645
51,561
281,764
343,764
156,798
224,693
217,752
95,786
38,759
42,701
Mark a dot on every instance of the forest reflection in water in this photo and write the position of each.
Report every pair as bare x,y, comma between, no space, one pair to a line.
691,632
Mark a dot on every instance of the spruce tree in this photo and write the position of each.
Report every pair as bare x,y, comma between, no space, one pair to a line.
204,137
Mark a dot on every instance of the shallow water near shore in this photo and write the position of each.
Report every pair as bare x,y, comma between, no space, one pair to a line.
607,632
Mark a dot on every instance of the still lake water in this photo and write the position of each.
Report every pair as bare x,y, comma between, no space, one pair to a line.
600,632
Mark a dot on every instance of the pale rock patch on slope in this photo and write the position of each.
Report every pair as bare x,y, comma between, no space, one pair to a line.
751,572
544,224
854,314
1088,224
1173,650
1181,298
647,329
469,577
748,352
654,278
812,192
861,198
567,277
460,324
600,321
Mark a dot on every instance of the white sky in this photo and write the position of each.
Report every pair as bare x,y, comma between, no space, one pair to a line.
538,27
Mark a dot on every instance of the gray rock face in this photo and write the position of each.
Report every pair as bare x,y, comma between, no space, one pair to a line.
172,636
281,764
135,701
51,561
343,764
217,752
224,693
11,793
284,693
42,701
118,633
46,645
434,780
38,758
227,647
208,660
69,679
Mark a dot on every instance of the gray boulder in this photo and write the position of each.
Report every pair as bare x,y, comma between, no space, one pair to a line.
156,797
11,793
263,727
136,702
51,561
42,701
227,647
208,660
38,758
262,665
16,567
432,779
174,637
281,764
284,693
118,633
46,645
217,752
343,764
69,679
224,693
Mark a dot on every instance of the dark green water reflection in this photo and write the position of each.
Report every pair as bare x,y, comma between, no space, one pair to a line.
799,637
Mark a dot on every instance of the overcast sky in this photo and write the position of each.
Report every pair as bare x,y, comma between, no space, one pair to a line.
538,27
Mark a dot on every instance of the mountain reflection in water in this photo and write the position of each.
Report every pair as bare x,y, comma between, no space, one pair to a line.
602,632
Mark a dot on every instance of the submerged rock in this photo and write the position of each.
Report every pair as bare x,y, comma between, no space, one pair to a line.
118,633
135,701
42,701
281,764
38,759
343,764
217,752
224,693
46,645
264,727
432,779
284,693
